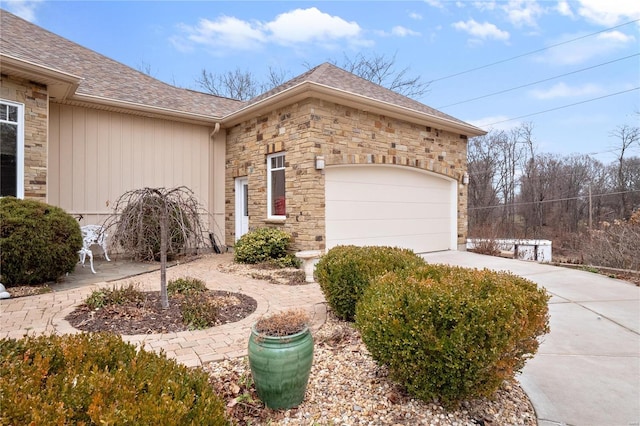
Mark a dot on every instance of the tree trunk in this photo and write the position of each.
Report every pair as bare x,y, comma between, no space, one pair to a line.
164,296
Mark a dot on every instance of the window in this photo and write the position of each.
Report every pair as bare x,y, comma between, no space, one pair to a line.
275,187
11,149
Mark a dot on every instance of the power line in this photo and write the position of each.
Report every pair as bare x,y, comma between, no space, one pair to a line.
539,81
531,52
562,107
553,200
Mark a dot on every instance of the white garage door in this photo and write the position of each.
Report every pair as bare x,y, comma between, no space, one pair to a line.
391,206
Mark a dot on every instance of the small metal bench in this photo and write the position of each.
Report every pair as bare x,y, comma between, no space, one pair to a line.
92,234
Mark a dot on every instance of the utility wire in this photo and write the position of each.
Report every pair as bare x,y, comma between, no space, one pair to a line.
531,52
539,81
552,201
562,107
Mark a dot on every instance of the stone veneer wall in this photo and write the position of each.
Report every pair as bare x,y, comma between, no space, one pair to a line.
343,135
35,98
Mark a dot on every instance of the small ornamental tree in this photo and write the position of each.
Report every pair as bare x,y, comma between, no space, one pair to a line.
151,223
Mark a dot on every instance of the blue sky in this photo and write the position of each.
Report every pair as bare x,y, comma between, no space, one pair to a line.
434,39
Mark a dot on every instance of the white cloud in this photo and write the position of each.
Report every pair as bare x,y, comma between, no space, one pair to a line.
522,13
307,25
227,31
401,31
298,26
564,9
616,37
415,15
482,31
496,122
609,12
26,9
435,3
583,50
562,90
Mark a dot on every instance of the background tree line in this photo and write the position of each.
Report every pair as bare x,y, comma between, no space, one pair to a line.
517,192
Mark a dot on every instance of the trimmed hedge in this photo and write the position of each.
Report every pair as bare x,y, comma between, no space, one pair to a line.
452,333
265,245
345,272
39,242
97,379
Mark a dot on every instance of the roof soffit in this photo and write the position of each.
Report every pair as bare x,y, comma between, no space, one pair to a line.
60,84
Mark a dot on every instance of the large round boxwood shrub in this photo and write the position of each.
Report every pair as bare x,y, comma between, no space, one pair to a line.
345,272
452,333
264,245
96,379
38,242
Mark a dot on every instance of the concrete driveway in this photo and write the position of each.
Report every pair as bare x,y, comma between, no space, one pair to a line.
587,370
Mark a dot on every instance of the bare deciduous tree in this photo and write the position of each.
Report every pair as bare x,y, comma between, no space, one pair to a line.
628,137
152,222
379,69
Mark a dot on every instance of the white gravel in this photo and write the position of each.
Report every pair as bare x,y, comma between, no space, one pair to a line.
346,387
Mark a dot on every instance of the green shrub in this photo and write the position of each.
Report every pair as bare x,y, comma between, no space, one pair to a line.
99,379
263,245
345,272
38,242
452,333
114,296
198,312
186,286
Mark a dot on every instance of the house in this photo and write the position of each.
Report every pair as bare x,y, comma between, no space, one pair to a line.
327,156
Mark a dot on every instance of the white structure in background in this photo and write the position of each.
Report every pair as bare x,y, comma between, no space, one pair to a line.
537,250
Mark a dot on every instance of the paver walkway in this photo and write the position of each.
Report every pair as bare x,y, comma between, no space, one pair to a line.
45,313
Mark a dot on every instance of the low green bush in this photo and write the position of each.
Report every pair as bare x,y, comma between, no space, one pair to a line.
96,379
452,333
186,286
265,245
198,312
345,272
39,242
114,296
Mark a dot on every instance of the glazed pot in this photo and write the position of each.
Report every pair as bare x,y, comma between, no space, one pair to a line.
280,367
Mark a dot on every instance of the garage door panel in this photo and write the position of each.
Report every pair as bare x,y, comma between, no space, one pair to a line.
395,206
364,210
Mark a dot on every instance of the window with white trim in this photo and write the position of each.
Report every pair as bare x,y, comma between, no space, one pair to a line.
11,149
276,202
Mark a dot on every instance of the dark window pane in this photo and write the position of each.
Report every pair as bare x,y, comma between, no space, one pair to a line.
245,190
277,193
13,113
8,159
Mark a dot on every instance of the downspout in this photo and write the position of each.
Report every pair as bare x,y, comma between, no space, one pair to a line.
215,130
217,248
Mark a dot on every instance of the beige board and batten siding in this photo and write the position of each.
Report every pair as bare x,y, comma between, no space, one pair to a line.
95,156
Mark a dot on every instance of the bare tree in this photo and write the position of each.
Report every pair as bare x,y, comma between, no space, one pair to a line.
156,221
379,69
237,84
482,193
628,137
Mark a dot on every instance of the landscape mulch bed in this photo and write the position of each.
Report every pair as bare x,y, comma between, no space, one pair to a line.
148,316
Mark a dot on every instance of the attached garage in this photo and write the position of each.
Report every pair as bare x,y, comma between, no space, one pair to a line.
390,205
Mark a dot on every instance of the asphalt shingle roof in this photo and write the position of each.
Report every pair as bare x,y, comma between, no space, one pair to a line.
332,76
106,78
102,76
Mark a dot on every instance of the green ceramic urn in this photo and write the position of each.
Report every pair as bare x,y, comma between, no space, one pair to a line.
280,367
